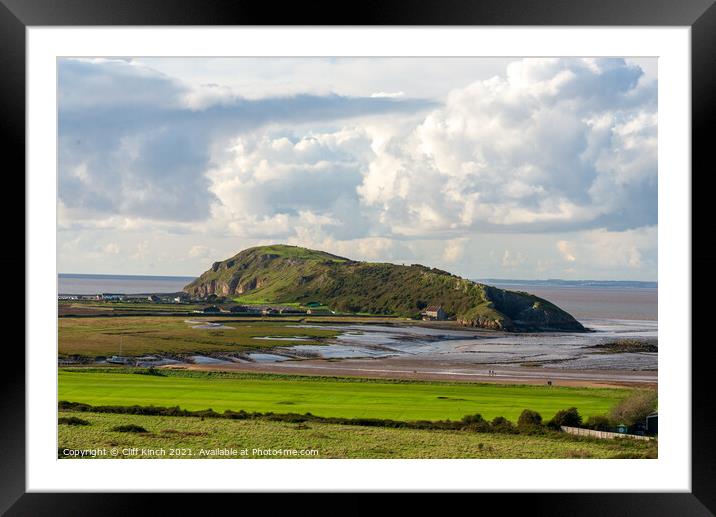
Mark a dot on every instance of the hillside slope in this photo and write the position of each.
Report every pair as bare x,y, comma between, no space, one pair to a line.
290,274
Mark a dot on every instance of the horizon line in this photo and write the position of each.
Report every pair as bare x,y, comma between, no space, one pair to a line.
475,279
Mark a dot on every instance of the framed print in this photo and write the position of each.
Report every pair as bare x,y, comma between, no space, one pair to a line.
429,250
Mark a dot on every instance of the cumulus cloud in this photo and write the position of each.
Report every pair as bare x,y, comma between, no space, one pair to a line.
280,184
454,250
511,259
387,94
566,251
608,250
560,152
137,143
555,144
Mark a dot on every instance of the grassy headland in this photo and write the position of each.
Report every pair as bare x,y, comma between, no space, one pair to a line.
293,275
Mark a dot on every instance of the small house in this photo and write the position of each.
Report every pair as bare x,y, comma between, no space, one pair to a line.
434,312
153,298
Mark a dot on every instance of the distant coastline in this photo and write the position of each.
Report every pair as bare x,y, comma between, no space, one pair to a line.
103,276
553,282
601,284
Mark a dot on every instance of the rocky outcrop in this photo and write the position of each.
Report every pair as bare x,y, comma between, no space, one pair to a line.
484,322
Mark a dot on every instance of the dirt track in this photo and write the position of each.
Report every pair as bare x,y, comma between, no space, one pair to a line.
417,369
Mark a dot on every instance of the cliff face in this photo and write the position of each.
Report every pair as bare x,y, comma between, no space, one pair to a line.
289,274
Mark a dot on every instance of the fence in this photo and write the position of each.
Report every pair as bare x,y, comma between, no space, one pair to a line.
602,434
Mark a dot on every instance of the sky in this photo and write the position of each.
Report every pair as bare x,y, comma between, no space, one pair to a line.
485,167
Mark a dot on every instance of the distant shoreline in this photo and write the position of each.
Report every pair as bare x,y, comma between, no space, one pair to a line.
575,284
615,284
108,276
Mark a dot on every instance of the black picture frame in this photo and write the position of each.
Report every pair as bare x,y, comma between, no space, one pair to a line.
700,15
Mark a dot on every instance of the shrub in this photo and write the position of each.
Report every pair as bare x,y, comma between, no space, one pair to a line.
635,408
151,371
529,420
130,428
475,423
240,415
598,423
72,420
569,417
501,425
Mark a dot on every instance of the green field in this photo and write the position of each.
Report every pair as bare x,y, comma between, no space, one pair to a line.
121,306
329,397
192,434
102,336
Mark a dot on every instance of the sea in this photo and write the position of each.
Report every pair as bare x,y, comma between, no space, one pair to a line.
588,299
120,284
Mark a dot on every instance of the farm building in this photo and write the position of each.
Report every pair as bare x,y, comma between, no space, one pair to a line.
433,312
112,296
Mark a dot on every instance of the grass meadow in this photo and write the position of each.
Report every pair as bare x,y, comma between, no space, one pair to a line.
328,397
192,437
98,336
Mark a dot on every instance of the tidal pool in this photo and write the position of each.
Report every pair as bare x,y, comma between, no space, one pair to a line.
554,349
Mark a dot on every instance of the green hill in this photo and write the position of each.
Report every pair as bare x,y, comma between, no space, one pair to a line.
281,274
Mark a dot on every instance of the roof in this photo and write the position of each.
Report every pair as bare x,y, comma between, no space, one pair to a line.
433,308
